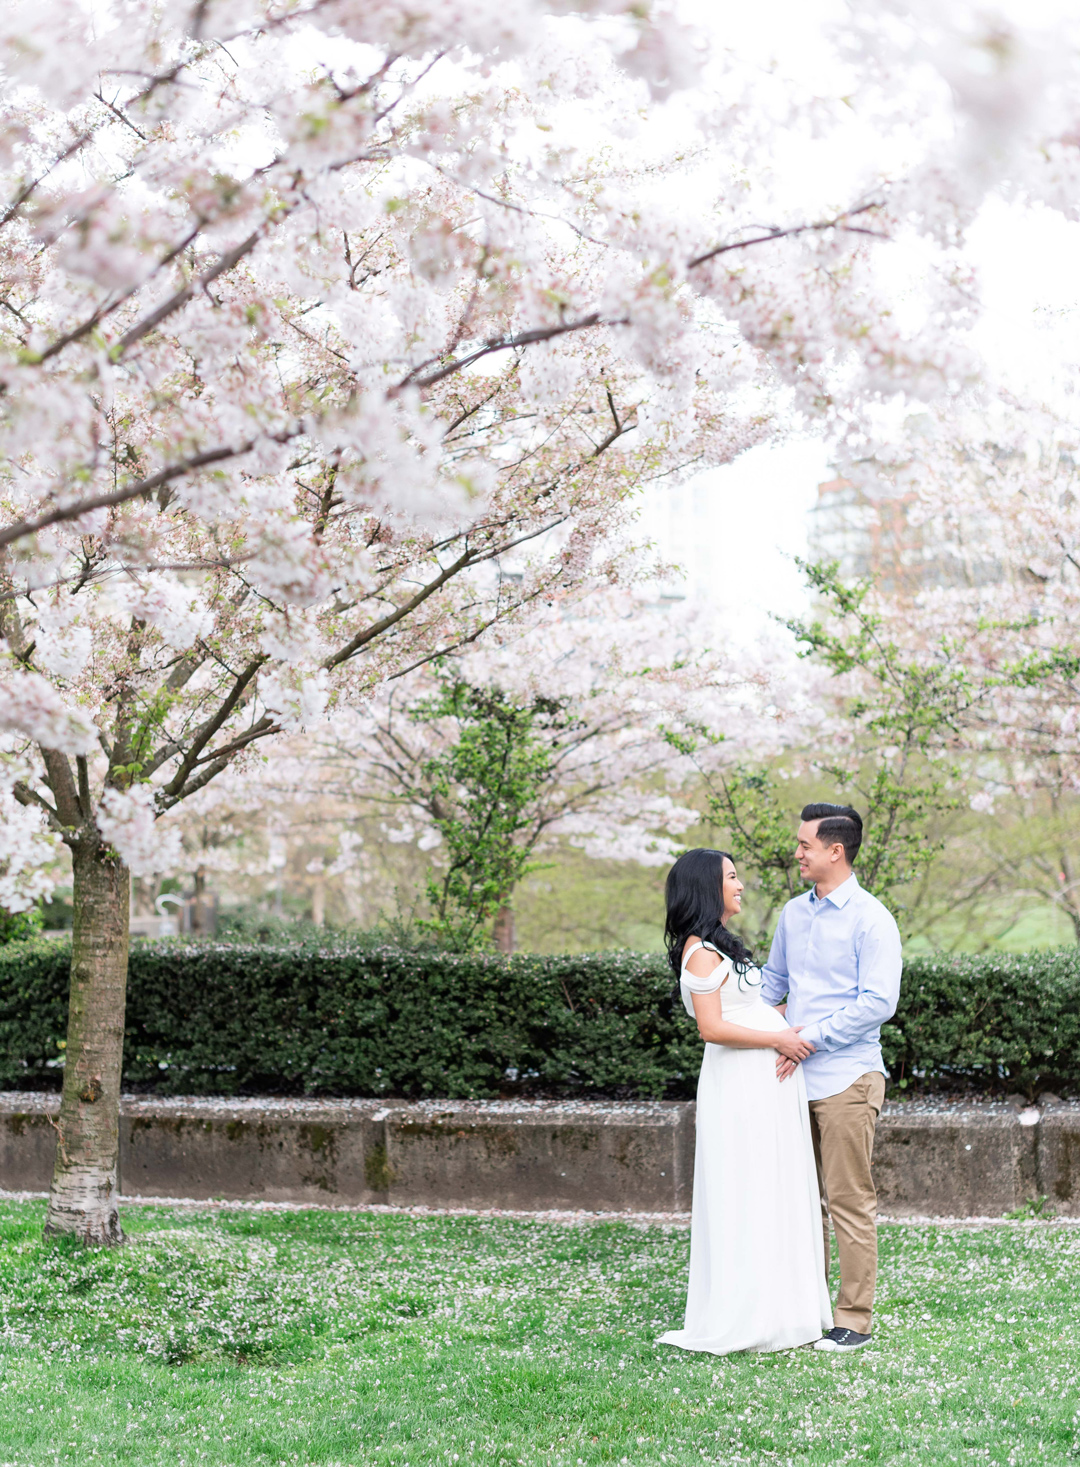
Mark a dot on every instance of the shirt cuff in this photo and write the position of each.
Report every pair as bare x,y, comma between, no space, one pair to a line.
768,989
813,1035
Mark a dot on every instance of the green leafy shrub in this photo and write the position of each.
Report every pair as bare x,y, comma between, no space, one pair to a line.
348,1019
991,1020
338,1018
20,926
34,983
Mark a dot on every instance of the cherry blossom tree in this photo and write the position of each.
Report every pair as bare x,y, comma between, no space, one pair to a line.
585,698
336,334
597,684
312,372
995,494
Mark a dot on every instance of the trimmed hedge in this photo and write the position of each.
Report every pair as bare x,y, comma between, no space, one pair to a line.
212,1018
337,1019
992,1021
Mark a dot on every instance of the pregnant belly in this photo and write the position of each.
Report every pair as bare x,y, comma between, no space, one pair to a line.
756,1014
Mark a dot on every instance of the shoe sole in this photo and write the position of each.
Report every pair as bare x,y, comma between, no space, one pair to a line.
829,1348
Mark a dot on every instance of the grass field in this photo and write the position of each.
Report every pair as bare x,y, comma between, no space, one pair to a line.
246,1337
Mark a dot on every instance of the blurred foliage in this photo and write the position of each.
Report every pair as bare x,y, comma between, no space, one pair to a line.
906,720
58,913
754,810
18,926
579,903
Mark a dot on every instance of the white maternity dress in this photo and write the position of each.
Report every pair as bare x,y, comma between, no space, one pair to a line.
757,1271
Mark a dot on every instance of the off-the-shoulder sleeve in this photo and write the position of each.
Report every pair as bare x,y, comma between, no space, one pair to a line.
688,984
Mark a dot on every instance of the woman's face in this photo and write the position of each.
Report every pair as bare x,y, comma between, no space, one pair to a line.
731,890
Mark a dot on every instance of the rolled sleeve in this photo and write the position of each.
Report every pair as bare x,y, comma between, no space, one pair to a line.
775,979
813,1035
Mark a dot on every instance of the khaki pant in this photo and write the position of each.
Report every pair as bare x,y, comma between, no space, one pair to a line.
843,1131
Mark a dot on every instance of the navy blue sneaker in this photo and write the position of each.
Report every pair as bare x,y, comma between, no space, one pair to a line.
842,1339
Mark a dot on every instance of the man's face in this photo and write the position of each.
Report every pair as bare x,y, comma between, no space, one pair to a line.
816,861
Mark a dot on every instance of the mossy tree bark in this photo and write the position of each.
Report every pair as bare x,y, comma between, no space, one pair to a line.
83,1199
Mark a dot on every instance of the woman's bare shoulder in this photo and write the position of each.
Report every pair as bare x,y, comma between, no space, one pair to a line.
704,961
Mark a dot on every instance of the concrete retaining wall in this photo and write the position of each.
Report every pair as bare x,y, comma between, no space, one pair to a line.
944,1160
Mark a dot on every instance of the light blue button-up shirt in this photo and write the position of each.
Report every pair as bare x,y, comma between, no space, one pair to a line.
838,960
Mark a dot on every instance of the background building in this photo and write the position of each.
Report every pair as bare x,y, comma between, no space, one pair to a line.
877,532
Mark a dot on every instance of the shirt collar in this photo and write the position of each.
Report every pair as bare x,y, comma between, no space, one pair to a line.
840,896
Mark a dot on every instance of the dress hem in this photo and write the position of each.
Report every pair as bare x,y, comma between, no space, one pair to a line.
701,1348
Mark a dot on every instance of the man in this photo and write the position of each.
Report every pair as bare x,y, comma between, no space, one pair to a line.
836,959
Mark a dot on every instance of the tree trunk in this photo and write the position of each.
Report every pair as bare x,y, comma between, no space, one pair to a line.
203,907
503,931
85,1181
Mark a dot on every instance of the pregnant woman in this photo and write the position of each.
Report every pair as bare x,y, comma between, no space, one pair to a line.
757,1272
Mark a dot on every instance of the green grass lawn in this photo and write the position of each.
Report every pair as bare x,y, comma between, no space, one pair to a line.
322,1337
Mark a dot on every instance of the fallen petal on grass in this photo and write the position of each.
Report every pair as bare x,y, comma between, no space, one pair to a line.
239,1336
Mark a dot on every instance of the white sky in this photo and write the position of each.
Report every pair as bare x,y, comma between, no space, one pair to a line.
736,529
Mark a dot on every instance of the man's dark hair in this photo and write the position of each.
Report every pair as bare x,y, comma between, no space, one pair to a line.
838,823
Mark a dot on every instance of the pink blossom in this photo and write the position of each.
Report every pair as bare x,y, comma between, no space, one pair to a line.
33,708
127,820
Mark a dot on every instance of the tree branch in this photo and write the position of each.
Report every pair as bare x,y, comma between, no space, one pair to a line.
85,801
25,192
183,295
260,730
475,634
501,343
466,558
80,142
467,413
26,796
220,760
62,784
120,116
211,772
107,307
819,227
212,725
143,486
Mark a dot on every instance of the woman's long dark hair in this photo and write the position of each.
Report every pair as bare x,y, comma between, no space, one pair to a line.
695,905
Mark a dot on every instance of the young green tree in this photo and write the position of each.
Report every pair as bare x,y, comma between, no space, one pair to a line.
906,710
481,793
890,749
753,809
